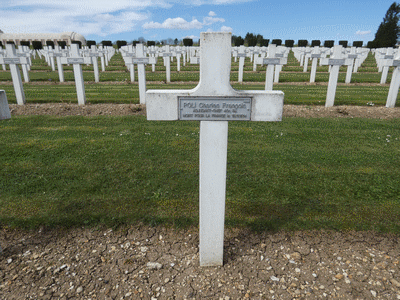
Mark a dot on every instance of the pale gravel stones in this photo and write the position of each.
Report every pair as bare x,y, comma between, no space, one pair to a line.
107,264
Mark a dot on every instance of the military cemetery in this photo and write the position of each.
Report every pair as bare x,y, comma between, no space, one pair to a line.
226,169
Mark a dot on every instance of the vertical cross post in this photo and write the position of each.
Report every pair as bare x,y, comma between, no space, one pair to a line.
315,55
77,60
4,108
334,62
167,62
219,103
242,55
12,60
94,54
271,61
394,83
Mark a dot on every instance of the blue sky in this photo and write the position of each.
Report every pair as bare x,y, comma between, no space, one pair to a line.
351,20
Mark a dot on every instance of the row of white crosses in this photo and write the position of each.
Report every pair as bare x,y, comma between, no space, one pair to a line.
213,102
355,56
140,59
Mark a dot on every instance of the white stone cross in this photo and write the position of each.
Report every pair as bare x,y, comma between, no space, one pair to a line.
13,60
315,55
127,56
23,52
213,102
153,53
385,63
283,53
77,60
167,62
57,53
335,61
4,108
306,57
271,61
242,56
352,56
395,82
141,60
94,54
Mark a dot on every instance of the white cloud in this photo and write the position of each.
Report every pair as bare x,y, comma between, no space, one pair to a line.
226,29
180,23
359,32
176,23
97,17
193,37
101,17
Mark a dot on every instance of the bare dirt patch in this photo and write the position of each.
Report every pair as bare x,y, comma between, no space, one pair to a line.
157,263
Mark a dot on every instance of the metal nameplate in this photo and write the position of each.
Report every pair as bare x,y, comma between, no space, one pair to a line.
271,61
11,61
166,54
336,62
140,60
396,63
241,55
195,60
354,56
91,54
75,60
388,57
279,55
315,55
214,108
57,54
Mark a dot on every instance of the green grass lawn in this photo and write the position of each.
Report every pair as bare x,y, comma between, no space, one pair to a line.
297,174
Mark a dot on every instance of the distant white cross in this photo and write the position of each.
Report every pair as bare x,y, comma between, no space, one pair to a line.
213,102
335,61
77,60
271,61
395,82
141,60
13,61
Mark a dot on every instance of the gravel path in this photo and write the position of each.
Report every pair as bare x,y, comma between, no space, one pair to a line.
156,263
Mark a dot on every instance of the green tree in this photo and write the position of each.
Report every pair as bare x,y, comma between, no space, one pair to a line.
187,42
251,39
277,42
315,43
388,31
344,43
302,43
289,43
238,41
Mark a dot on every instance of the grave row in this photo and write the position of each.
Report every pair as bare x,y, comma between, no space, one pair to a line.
274,57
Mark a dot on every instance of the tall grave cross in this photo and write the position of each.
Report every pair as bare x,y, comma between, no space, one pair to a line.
315,55
77,60
141,60
395,82
4,108
58,54
13,61
335,61
213,102
271,61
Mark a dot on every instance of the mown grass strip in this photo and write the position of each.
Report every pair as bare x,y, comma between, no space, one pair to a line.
297,174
